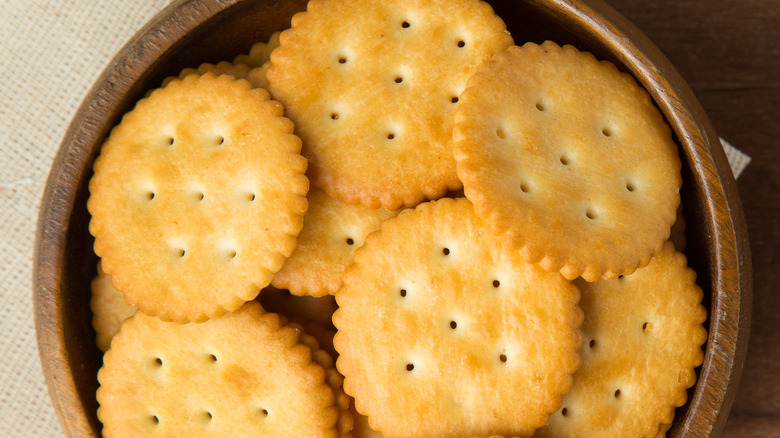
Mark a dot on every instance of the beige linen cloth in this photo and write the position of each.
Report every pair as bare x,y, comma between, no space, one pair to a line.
51,51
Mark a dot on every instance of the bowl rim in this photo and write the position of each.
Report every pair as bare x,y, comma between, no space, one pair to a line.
731,281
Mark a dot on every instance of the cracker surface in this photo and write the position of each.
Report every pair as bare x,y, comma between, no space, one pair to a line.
197,197
444,332
332,231
643,337
372,88
568,158
229,376
259,53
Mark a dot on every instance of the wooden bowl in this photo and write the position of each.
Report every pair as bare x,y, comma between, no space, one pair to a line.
190,32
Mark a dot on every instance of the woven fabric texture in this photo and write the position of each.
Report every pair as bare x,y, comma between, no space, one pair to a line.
51,51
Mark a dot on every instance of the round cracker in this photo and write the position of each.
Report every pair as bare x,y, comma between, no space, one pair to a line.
229,376
372,88
197,198
643,337
569,158
332,231
444,332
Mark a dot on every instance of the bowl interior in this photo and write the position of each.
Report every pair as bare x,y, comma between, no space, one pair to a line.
191,32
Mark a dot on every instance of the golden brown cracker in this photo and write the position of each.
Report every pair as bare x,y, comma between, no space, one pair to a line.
332,230
643,337
372,88
197,197
322,357
229,376
259,53
443,331
109,309
569,158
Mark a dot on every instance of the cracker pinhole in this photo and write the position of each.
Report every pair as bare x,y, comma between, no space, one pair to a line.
179,252
646,327
445,251
228,253
461,44
617,393
398,79
500,133
148,195
169,141
454,99
592,344
630,186
591,213
334,116
565,412
525,187
402,293
540,106
607,131
409,367
453,324
157,362
250,196
342,59
211,358
207,417
198,196
350,241
390,135
262,413
496,284
502,358
564,159
153,420
405,24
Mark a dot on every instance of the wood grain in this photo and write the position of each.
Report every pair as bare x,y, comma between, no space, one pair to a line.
176,39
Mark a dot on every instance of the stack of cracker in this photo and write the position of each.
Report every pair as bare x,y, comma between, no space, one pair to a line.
483,250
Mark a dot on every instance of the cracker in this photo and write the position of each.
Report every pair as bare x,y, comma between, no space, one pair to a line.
372,88
109,309
568,158
229,376
332,230
643,337
259,53
316,309
197,197
322,357
258,76
442,331
361,427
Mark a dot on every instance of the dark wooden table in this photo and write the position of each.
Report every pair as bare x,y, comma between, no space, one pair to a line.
729,52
